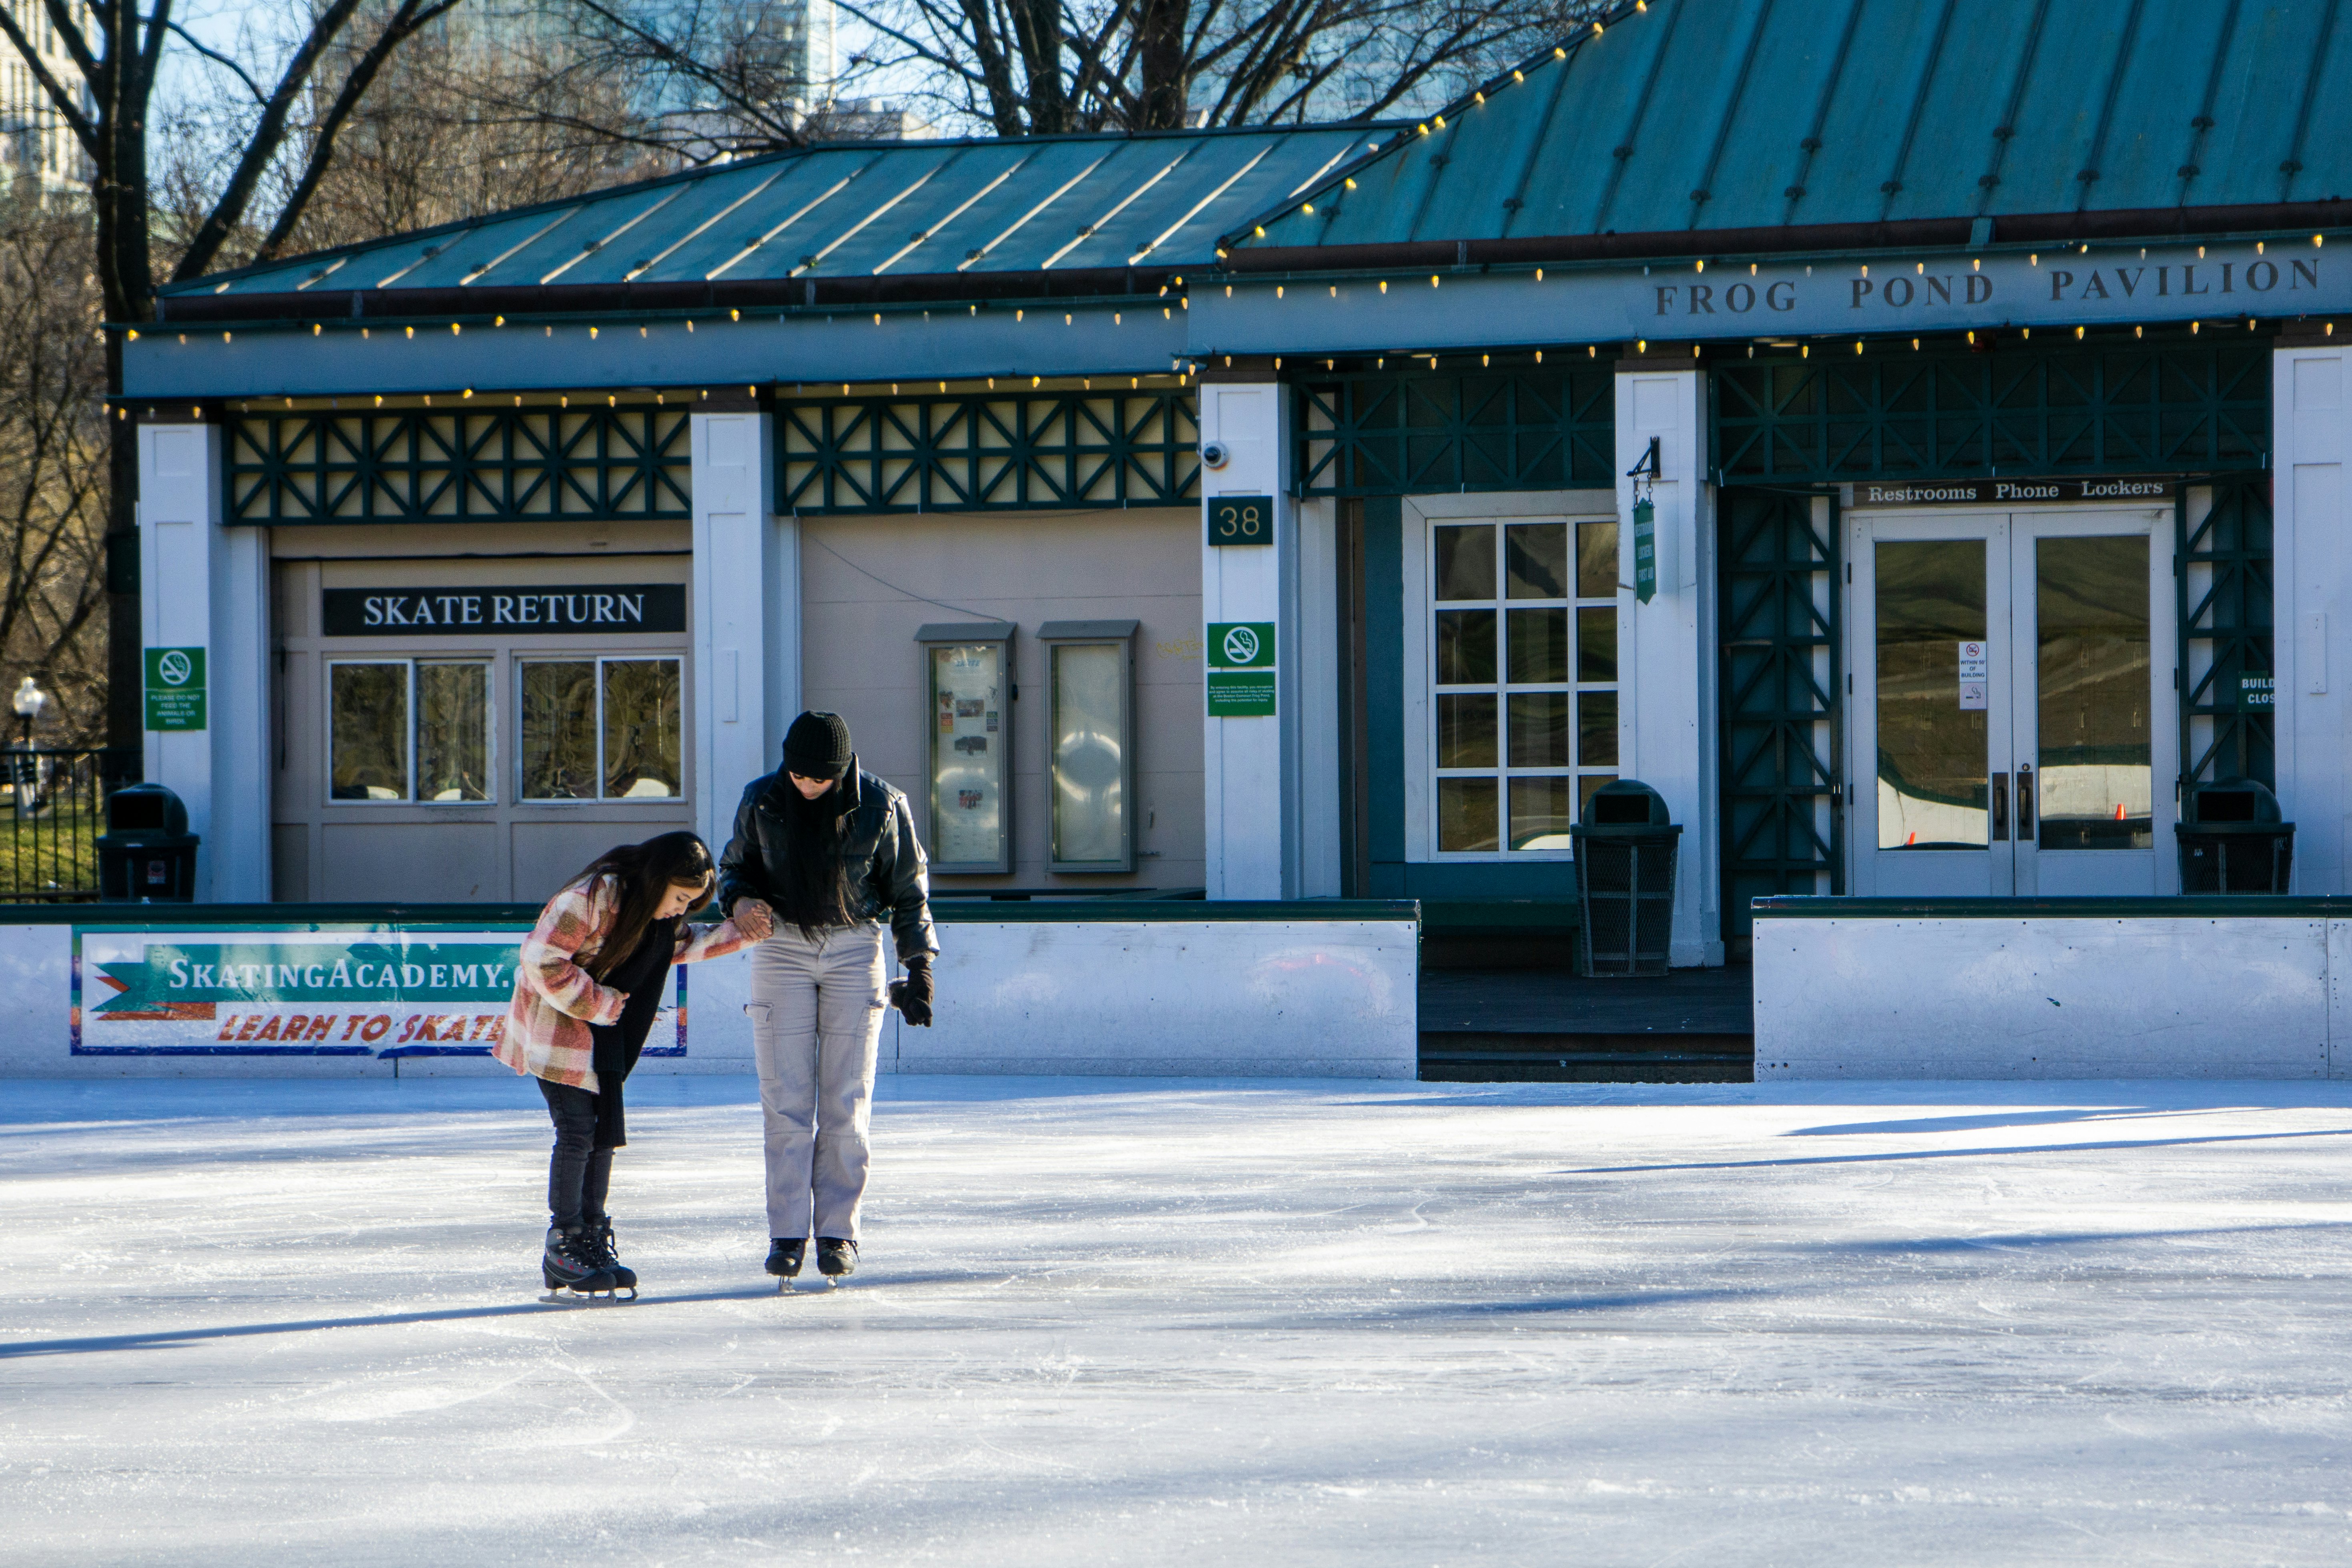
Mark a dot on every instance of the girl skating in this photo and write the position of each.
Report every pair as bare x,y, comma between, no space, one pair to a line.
587,985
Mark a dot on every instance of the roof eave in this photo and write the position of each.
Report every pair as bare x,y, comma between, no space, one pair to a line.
1100,284
1908,233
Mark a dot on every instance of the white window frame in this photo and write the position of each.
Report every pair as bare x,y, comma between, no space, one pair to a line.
409,661
1421,516
521,660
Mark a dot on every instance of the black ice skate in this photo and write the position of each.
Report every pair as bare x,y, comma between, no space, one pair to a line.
570,1263
784,1254
835,1256
608,1257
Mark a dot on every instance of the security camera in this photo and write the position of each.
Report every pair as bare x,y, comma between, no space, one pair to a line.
1214,455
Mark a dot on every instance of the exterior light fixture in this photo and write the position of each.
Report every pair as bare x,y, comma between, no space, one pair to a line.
454,329
411,331
1307,208
1384,285
2078,334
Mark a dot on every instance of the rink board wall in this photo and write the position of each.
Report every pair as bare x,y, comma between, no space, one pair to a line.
2053,988
1323,989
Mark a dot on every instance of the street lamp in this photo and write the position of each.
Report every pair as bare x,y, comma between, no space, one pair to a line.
25,770
29,702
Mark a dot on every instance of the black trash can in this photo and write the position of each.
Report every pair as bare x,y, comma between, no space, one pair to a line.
1624,880
2232,840
146,854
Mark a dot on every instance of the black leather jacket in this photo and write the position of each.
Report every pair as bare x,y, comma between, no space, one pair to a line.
879,835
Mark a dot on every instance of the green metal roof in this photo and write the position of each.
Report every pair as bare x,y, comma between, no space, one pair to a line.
871,211
1685,126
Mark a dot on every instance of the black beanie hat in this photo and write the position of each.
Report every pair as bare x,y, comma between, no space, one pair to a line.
817,746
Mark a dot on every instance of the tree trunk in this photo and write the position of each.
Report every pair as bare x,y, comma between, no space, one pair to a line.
1159,29
1037,24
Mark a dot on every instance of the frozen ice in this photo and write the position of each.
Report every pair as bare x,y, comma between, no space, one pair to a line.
1168,1322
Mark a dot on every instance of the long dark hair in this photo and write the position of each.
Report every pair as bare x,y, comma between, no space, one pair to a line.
815,893
645,873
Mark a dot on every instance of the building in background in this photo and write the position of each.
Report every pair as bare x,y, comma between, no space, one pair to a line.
34,143
1918,489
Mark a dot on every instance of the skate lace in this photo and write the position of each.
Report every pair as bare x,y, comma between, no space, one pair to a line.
596,1248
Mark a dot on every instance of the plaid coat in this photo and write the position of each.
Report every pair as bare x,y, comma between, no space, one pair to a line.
555,999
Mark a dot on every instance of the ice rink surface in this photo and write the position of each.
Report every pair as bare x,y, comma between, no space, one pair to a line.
1145,1321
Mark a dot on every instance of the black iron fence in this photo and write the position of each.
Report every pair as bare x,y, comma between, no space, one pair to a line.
55,811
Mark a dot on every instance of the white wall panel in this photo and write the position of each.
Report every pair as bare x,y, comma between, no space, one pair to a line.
2047,997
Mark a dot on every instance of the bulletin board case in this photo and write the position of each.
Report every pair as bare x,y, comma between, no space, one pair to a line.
968,726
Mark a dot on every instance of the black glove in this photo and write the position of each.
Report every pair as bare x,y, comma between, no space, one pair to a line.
912,995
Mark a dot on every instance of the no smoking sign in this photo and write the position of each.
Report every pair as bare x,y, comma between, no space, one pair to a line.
175,687
1241,645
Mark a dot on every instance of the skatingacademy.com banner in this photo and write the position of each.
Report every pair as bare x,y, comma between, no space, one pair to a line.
385,992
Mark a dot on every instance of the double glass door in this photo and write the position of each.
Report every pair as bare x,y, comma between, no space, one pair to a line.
2012,702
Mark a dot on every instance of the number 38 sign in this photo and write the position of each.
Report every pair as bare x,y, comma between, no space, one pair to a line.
1241,520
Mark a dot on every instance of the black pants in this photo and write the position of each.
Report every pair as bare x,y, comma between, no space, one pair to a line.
580,1171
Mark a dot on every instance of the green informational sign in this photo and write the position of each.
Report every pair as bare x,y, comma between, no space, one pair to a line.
1241,645
175,689
1645,551
2256,692
1241,694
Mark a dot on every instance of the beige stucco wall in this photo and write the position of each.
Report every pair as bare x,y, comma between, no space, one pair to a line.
864,586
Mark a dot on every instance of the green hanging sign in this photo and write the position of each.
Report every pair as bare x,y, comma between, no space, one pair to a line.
1645,551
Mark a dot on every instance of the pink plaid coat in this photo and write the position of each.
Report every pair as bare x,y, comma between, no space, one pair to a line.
546,1031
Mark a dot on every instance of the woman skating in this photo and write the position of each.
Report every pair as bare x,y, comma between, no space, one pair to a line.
828,852
588,984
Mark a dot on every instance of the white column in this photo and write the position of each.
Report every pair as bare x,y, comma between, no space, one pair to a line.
204,586
746,617
1666,672
1251,764
2312,440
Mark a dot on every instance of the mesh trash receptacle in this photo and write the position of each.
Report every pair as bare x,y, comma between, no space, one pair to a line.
1624,880
146,853
2232,840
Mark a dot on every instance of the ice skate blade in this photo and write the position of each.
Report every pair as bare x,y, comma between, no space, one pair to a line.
562,1297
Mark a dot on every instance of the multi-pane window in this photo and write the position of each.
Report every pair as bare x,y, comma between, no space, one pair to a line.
409,730
1525,679
602,729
